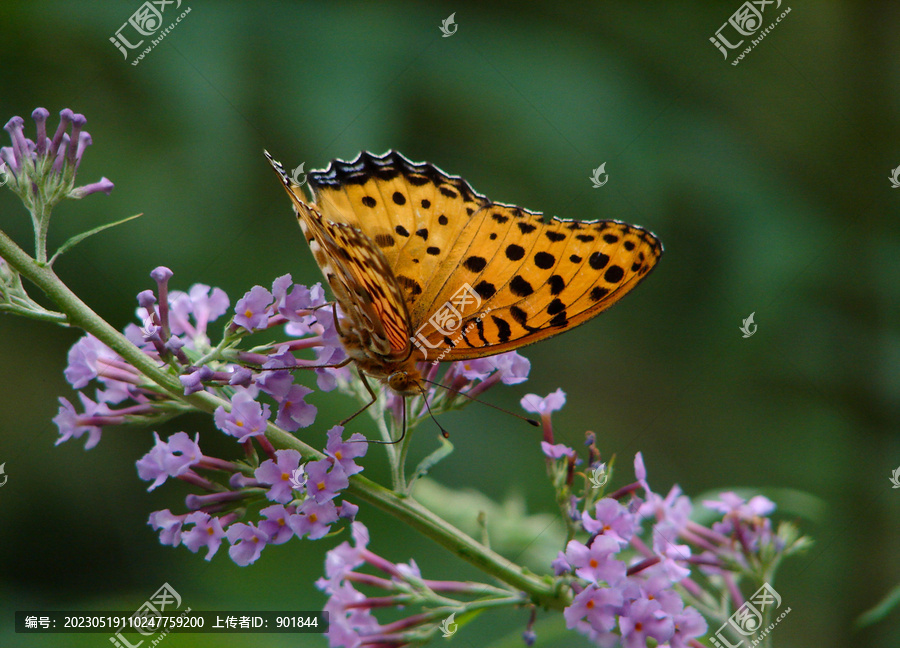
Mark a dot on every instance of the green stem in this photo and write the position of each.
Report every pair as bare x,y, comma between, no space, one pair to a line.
32,313
41,219
401,485
421,519
539,590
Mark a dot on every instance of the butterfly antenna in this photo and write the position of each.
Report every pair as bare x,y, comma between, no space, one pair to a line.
530,421
444,432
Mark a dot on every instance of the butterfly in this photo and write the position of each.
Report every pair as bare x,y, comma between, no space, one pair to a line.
426,269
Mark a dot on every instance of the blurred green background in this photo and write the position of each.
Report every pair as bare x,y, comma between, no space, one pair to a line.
767,182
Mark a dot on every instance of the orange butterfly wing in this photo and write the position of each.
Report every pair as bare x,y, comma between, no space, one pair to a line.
461,277
359,276
531,278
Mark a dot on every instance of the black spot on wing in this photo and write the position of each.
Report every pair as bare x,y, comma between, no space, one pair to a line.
503,329
598,293
557,283
479,326
475,263
614,274
514,252
598,260
520,287
521,317
544,260
556,306
485,290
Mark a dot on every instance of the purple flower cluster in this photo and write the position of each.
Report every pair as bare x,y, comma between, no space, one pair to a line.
45,168
351,622
174,332
630,573
624,589
304,495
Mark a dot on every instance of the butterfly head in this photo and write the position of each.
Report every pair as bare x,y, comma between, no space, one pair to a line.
406,382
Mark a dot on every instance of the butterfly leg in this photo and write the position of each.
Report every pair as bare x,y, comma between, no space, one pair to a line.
369,389
337,323
333,304
342,363
403,427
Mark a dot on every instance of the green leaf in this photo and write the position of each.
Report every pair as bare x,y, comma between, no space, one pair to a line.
431,460
78,238
534,538
881,610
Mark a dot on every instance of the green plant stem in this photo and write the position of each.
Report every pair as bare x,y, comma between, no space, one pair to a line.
41,224
405,509
421,519
31,313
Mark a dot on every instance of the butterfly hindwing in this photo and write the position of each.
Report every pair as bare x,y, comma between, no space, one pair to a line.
359,276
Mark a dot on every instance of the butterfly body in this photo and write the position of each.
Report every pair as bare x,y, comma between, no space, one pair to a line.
425,268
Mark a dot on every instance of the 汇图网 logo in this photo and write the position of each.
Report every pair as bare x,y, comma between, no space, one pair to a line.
744,23
447,23
147,21
748,327
746,624
448,319
595,176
